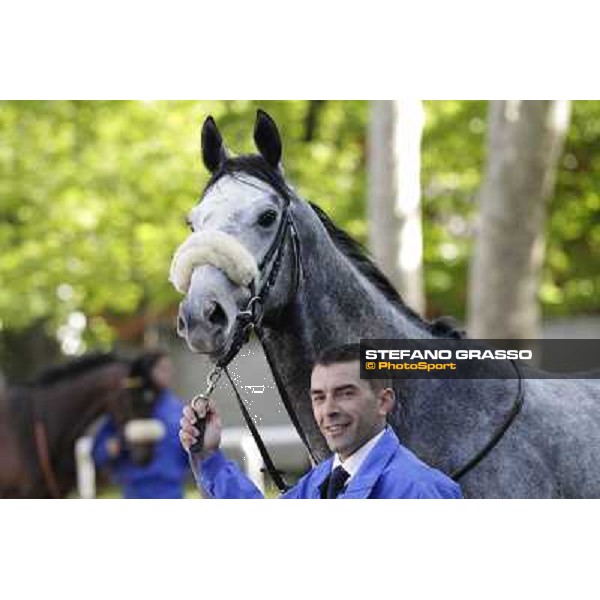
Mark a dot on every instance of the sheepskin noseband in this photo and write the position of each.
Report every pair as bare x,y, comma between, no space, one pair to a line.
215,248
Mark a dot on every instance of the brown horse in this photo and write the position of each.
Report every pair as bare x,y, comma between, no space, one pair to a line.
40,422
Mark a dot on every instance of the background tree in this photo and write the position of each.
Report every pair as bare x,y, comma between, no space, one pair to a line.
93,197
394,202
525,142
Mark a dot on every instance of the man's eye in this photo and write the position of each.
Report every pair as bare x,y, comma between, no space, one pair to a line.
267,218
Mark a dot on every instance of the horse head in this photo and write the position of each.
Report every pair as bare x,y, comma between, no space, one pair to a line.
242,254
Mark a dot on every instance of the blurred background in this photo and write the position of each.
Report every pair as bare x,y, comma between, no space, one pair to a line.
93,197
486,211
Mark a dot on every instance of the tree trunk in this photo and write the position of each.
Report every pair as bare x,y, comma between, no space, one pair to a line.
525,141
394,167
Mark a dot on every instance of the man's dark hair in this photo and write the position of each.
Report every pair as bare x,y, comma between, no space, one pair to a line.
348,353
338,354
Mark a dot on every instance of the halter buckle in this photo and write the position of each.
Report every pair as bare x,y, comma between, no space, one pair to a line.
253,311
255,306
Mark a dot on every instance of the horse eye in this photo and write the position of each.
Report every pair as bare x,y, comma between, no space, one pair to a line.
267,218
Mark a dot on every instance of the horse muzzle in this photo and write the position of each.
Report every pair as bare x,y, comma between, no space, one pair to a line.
207,314
214,271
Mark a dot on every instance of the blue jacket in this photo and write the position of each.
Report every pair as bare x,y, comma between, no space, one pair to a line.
389,471
165,474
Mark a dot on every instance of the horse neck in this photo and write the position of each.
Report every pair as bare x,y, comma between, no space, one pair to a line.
69,407
337,297
337,304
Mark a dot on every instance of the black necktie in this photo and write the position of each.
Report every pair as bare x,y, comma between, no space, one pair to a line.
337,480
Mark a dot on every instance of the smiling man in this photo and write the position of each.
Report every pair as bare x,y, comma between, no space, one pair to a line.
368,460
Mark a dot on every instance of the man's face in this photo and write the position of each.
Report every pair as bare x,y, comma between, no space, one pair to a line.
162,373
346,409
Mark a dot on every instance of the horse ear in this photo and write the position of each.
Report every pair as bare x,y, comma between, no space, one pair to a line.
213,149
266,138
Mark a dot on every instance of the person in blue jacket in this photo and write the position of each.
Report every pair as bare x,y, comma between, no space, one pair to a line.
161,468
368,460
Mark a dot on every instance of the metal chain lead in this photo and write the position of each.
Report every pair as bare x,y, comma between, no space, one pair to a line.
211,383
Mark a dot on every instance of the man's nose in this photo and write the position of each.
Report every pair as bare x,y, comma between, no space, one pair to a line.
330,405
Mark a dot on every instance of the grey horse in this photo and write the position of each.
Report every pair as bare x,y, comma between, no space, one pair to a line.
328,292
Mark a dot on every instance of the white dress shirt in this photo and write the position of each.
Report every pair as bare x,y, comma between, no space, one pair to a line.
354,461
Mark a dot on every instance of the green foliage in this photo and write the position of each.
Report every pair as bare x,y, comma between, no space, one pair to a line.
572,272
93,197
453,161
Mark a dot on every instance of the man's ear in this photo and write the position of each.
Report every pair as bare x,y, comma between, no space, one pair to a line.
267,139
387,398
213,149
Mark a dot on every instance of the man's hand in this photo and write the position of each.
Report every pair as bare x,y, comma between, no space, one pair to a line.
188,434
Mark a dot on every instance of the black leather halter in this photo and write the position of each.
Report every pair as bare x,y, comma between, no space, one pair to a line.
251,316
250,319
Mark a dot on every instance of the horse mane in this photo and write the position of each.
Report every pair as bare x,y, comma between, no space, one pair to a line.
256,166
358,254
74,368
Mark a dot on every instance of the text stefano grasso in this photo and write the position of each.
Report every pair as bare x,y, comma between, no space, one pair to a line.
448,354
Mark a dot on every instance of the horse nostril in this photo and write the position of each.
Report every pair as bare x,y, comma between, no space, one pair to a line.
217,316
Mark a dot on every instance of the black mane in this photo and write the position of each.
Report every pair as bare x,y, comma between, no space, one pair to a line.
74,368
358,254
256,166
